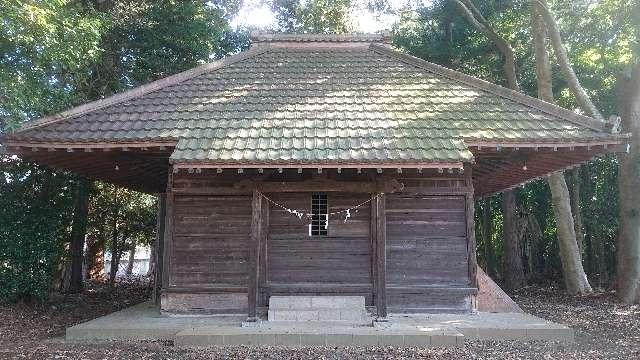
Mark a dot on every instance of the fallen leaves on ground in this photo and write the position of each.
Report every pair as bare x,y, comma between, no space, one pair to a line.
605,329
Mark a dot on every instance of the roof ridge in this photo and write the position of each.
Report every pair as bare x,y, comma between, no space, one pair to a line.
546,107
262,37
142,90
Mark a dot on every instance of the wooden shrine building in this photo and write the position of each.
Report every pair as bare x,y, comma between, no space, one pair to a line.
316,164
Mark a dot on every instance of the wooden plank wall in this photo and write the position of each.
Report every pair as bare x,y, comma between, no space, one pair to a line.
427,258
209,249
427,255
339,263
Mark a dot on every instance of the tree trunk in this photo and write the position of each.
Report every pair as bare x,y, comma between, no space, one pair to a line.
132,257
94,259
152,258
628,249
115,258
574,276
78,234
563,60
115,246
602,270
489,251
513,272
575,208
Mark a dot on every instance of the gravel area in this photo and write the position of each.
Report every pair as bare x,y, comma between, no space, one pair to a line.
605,329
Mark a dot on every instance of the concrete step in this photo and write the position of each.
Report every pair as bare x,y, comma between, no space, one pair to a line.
327,336
317,308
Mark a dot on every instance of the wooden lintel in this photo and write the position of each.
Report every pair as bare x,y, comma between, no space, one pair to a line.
388,186
323,185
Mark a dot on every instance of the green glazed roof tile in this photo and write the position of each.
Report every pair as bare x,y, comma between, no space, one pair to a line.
317,105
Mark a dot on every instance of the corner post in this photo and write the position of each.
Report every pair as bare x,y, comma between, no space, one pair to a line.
380,240
159,248
471,232
167,250
254,255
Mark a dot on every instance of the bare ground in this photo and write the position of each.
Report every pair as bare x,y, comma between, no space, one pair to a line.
605,329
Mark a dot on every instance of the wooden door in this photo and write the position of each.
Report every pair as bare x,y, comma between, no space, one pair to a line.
336,264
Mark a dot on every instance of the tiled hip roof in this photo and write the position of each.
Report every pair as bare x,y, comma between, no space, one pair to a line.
323,105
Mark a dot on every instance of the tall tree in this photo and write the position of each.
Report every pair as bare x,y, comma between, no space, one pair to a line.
628,252
573,272
78,233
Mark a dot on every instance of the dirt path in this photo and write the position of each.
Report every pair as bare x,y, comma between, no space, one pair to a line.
605,329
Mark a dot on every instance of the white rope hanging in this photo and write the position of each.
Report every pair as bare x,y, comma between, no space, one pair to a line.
303,213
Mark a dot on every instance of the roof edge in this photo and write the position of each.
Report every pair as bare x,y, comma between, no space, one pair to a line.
142,89
549,108
315,165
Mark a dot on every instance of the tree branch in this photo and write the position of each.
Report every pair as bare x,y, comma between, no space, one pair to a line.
563,60
475,18
543,66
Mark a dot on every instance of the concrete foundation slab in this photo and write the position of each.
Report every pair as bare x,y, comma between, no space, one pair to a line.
144,321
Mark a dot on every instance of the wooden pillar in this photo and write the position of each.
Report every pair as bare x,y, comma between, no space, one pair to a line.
380,239
471,230
168,232
159,248
254,255
262,257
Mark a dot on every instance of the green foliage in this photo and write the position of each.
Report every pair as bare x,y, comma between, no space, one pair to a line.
313,16
35,212
46,47
132,213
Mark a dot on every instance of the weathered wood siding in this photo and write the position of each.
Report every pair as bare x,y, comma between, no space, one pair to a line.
339,263
426,243
426,250
209,253
211,240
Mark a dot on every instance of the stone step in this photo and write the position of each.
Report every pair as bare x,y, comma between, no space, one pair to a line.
318,308
316,302
352,315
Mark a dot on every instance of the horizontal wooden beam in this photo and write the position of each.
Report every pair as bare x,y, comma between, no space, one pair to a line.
313,185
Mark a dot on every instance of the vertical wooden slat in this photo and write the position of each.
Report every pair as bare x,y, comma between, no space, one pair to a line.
168,232
471,233
254,258
372,246
381,256
159,255
263,256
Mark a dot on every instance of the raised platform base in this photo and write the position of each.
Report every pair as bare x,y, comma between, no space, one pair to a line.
144,321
